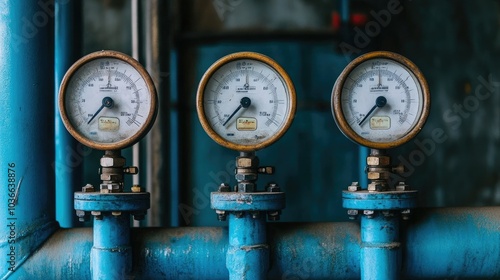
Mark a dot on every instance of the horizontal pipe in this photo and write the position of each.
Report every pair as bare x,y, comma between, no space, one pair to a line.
436,243
452,243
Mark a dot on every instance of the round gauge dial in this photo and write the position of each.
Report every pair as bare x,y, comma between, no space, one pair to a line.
381,100
245,101
107,100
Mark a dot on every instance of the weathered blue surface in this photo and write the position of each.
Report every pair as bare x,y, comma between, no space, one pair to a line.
257,201
248,252
69,154
26,131
365,200
435,243
95,201
111,255
380,247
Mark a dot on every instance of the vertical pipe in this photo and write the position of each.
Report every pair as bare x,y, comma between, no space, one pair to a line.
111,254
157,56
27,212
380,247
248,253
69,154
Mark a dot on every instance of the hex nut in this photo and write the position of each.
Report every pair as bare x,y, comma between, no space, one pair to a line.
375,187
110,188
402,186
139,216
405,214
238,214
224,188
378,160
88,188
378,175
273,215
246,176
353,213
255,214
369,213
273,187
247,162
111,177
354,187
136,189
112,161
246,187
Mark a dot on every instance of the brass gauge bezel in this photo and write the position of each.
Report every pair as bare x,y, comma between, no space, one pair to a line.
200,106
151,90
337,100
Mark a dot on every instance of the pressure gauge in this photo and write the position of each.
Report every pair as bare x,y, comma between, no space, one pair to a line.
381,100
245,101
107,100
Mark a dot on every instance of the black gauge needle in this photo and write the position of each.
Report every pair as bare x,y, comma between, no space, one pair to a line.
379,103
247,85
106,102
244,103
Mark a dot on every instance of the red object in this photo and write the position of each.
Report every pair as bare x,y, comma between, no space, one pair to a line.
359,19
335,24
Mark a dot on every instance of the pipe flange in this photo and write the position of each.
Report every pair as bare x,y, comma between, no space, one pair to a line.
114,202
255,201
387,200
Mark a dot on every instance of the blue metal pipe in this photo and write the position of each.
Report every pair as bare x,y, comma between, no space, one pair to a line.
248,253
380,247
111,254
68,152
26,130
436,243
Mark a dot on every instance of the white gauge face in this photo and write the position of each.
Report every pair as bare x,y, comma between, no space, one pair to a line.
108,103
381,100
246,102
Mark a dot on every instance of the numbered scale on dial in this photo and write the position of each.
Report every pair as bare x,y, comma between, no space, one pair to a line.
107,100
381,100
245,101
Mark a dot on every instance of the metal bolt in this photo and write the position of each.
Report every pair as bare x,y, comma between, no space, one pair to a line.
96,214
405,214
266,170
273,215
375,187
402,186
388,213
221,215
139,216
88,188
400,169
131,170
354,187
82,215
255,214
136,189
224,187
369,213
353,213
238,214
273,187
